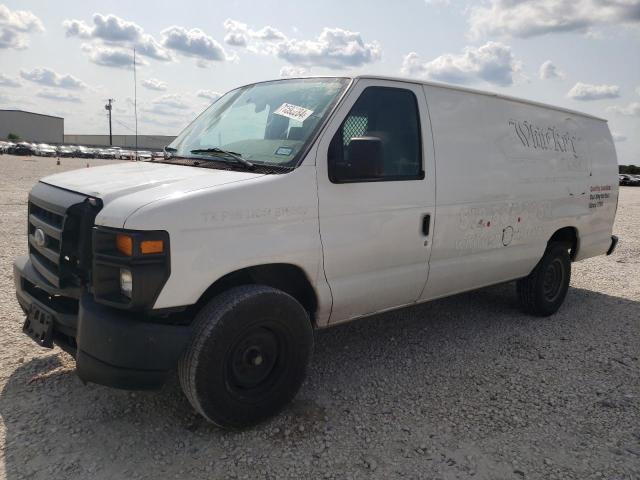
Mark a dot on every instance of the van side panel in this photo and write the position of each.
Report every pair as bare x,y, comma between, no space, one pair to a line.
510,174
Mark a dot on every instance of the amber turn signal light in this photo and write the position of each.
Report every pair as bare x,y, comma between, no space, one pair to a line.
124,244
148,247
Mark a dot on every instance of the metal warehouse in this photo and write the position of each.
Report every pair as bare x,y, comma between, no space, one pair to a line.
30,126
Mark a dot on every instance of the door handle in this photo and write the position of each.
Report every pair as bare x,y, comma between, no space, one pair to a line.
426,223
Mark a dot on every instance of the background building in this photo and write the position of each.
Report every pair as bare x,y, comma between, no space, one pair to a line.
32,127
40,128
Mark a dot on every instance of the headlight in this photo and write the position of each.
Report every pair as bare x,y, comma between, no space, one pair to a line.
130,267
126,282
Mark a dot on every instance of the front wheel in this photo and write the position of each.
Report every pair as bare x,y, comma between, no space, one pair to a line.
248,356
542,292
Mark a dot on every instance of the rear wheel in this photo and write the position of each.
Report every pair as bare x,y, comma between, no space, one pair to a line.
248,356
542,292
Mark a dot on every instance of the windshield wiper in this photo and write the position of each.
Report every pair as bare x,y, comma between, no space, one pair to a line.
234,155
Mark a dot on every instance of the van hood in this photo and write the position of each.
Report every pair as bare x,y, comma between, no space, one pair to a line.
126,187
158,179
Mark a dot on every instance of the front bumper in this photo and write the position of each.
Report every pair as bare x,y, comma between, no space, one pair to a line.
112,347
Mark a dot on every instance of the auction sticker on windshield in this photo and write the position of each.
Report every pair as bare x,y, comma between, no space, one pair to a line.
293,111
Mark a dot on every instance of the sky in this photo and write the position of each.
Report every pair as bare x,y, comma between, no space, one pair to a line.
66,58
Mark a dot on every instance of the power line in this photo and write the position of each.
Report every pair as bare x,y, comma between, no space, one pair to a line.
124,125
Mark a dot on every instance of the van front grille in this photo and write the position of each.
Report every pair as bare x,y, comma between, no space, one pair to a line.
59,234
45,240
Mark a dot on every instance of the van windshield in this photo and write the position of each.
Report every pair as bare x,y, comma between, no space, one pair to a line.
265,124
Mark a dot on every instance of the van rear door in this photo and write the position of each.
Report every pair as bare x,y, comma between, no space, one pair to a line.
376,198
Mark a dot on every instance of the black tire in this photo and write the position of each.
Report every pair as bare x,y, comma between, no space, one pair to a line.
542,292
248,356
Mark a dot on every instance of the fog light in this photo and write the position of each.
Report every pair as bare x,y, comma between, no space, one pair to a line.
126,282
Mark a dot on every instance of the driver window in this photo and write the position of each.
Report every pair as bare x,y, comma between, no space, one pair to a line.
379,140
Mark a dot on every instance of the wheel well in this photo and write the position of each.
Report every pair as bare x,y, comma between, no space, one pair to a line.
568,235
283,276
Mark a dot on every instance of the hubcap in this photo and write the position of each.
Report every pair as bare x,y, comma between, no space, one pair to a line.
553,280
254,358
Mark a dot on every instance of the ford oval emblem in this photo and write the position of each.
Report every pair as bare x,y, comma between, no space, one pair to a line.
39,237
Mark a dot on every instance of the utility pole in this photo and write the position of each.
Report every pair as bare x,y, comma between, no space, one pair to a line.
109,107
135,98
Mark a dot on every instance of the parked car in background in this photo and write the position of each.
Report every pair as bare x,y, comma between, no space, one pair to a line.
64,151
45,150
628,180
126,155
107,153
9,147
24,148
144,155
83,152
5,146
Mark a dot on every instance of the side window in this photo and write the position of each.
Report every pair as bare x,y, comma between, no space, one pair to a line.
379,139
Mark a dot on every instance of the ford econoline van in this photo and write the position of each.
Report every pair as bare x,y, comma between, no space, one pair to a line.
294,205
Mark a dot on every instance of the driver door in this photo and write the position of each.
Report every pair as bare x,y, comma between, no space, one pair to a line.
376,198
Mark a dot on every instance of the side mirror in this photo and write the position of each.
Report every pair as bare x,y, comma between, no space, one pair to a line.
364,158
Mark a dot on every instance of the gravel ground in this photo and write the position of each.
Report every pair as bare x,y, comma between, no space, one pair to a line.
464,387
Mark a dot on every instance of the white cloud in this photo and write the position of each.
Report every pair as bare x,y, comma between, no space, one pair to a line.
171,100
111,57
335,48
618,137
549,71
439,3
538,17
7,81
269,34
208,94
15,26
289,71
112,30
76,28
115,29
493,63
59,96
154,84
193,43
46,76
239,34
587,91
631,110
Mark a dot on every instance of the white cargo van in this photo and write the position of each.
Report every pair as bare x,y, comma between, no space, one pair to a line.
298,204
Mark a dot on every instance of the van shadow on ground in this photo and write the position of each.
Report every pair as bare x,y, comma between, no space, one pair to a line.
569,378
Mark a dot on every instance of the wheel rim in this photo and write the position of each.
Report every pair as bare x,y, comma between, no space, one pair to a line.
553,280
256,361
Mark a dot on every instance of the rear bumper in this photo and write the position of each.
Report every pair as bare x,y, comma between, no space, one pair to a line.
614,244
111,347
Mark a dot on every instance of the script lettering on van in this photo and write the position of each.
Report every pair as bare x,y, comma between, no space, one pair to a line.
544,138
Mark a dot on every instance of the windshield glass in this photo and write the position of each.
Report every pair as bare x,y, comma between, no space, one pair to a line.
264,123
